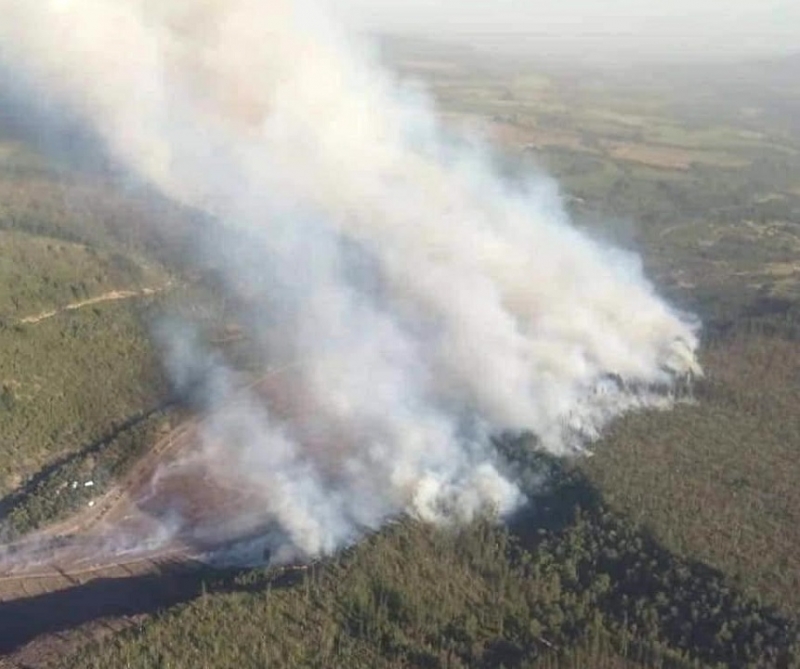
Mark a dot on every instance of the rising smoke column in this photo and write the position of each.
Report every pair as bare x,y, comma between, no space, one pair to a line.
418,302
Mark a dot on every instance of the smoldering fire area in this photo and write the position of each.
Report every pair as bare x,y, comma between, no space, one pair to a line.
411,301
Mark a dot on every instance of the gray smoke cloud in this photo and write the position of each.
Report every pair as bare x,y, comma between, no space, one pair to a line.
410,301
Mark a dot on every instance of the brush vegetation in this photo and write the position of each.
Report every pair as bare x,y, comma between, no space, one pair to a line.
75,480
68,380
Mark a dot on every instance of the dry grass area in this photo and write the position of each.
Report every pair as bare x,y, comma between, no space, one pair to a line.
668,157
516,137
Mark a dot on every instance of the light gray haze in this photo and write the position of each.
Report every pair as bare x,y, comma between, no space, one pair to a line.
581,29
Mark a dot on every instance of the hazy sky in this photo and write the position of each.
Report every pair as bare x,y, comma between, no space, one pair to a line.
716,28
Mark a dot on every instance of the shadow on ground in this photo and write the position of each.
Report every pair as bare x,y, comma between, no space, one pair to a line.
672,609
24,620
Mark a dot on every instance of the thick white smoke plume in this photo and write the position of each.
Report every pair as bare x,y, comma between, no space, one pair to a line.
416,302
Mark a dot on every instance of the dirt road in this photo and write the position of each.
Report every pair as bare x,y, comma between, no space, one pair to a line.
110,296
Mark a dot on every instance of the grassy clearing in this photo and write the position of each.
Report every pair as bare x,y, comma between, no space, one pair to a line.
668,157
709,138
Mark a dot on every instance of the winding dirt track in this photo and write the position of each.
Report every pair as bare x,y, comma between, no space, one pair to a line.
111,296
